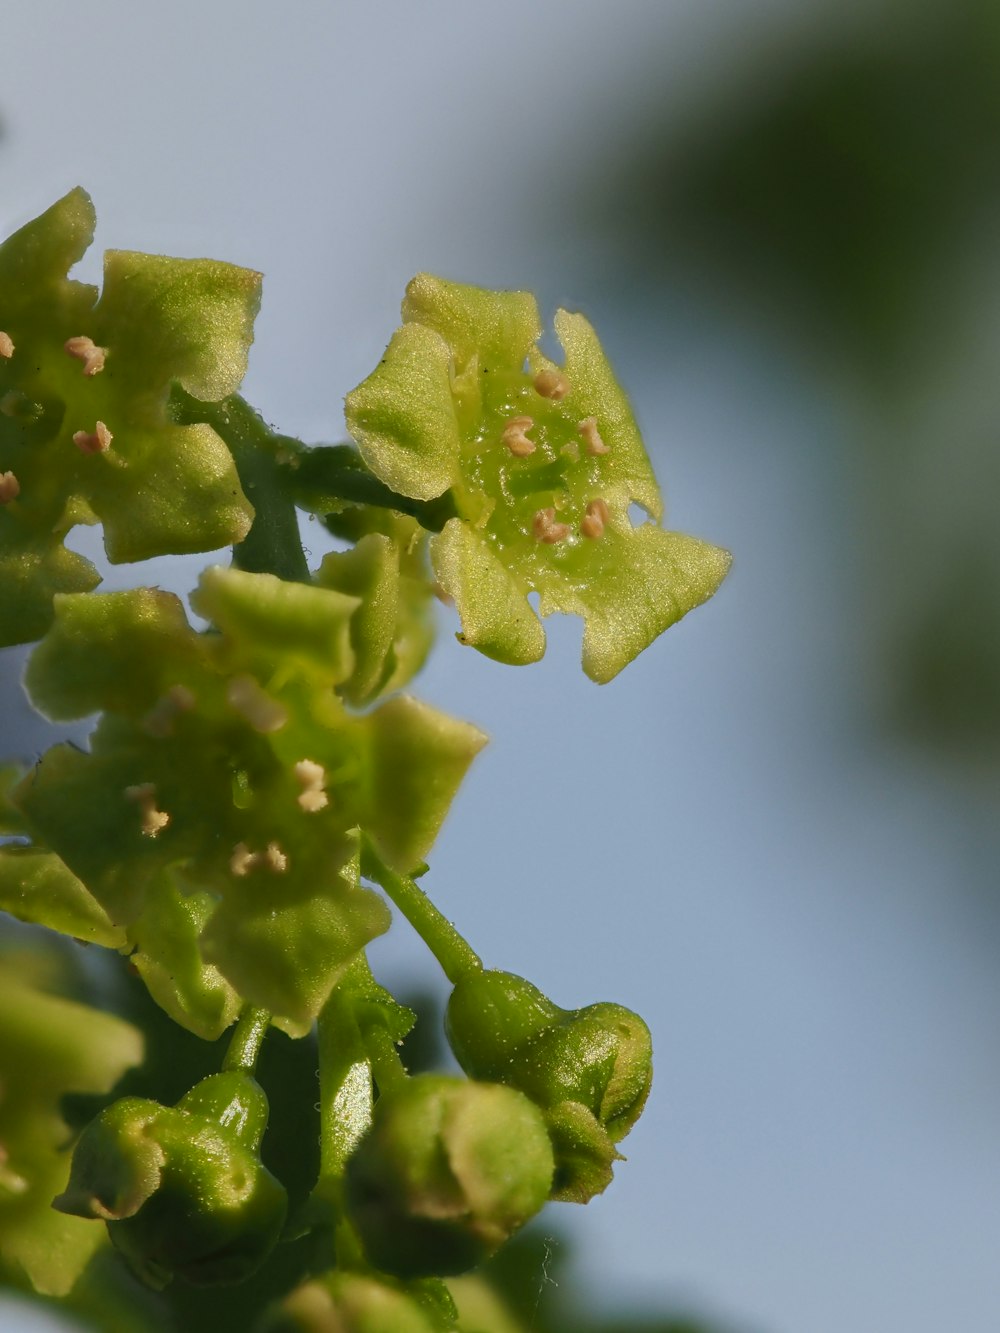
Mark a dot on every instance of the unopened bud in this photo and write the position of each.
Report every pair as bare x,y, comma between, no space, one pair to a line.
448,1171
350,1303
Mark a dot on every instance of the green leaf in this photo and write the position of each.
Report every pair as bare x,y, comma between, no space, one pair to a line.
36,886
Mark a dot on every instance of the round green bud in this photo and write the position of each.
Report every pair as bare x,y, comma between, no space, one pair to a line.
490,1017
350,1303
601,1057
448,1171
502,1027
181,1188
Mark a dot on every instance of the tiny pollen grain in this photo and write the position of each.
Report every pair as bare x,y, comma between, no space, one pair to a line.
515,439
594,518
87,351
97,441
551,384
311,776
161,718
547,530
591,436
144,796
243,860
248,699
10,487
6,345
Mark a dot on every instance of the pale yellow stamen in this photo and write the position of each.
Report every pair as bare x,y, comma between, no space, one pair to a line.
144,796
6,345
10,487
551,384
162,717
262,712
274,859
311,777
515,439
243,860
87,351
592,436
594,519
546,529
97,441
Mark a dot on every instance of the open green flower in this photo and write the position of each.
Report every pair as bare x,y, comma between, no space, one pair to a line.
85,436
543,462
244,859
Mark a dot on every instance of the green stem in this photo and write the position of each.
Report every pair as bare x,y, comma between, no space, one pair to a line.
345,1085
455,954
387,1064
273,545
247,1039
326,475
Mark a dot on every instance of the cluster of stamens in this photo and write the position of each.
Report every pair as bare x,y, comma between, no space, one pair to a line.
143,794
243,860
311,777
87,351
547,529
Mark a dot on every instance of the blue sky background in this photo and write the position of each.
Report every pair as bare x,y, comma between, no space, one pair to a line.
804,909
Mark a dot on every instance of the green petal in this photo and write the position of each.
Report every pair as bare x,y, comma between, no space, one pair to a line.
276,623
498,328
168,958
285,949
495,613
370,572
419,758
185,319
49,1047
594,391
166,489
649,580
33,569
35,260
38,887
403,416
117,650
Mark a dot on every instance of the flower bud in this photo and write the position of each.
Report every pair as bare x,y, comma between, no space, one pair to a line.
502,1027
181,1188
351,1303
490,1016
448,1171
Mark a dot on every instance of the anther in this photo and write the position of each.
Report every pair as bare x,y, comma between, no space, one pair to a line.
161,718
6,345
97,441
10,487
144,796
311,777
591,436
262,712
551,384
243,860
547,530
515,439
87,351
595,517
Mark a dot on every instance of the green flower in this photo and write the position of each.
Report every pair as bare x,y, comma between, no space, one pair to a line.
342,1302
215,817
49,1047
543,464
85,436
